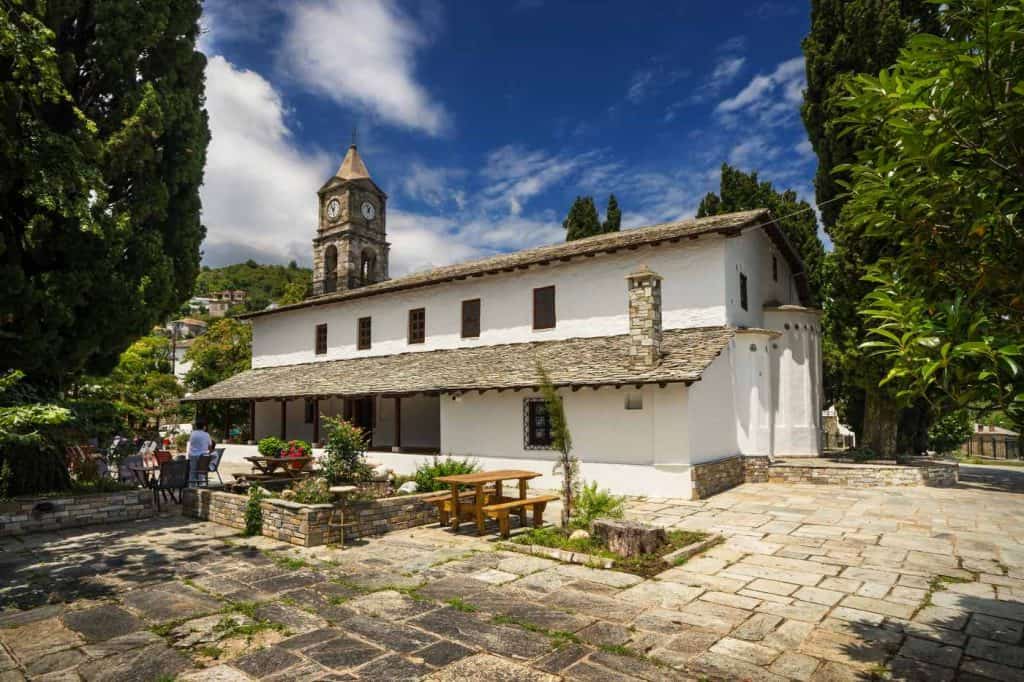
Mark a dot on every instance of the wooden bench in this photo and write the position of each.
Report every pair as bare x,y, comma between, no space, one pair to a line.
443,502
501,511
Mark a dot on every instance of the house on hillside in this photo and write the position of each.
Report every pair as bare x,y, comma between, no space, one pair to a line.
676,345
995,442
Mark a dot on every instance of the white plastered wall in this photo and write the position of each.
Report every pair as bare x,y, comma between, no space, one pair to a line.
797,382
590,300
751,253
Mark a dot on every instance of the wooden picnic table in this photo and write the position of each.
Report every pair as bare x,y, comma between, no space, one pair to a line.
269,465
478,481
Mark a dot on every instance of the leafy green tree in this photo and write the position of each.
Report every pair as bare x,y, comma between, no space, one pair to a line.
612,216
31,447
223,351
582,220
850,37
142,385
943,178
294,292
739,191
103,142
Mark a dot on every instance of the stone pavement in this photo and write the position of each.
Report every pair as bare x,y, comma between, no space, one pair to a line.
812,583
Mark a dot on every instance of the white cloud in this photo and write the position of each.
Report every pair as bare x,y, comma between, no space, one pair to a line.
727,68
784,84
804,148
432,185
259,189
361,54
516,174
753,152
639,85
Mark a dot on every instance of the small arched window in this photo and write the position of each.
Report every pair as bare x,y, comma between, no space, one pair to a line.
367,267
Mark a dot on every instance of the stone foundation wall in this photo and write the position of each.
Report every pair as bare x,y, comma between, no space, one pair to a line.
910,473
20,516
711,478
309,525
755,469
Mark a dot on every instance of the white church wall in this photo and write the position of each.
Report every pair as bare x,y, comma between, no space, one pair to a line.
711,412
752,393
750,253
590,300
797,381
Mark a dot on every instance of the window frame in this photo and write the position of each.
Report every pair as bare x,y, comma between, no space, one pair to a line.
468,303
320,339
744,295
775,268
364,342
529,407
538,323
417,325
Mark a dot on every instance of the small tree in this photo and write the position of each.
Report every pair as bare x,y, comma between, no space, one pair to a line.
582,220
567,466
612,216
346,452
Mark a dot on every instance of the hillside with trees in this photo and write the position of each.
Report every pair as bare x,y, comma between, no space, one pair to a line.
266,284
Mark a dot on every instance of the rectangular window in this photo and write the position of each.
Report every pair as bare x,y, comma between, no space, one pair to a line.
471,319
417,325
536,424
544,308
743,291
364,333
310,412
775,269
634,401
321,339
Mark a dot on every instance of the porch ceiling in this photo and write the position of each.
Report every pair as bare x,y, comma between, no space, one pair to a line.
598,361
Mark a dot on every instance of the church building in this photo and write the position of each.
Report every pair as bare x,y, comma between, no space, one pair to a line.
673,346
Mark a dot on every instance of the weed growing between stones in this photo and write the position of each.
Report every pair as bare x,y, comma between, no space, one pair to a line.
460,605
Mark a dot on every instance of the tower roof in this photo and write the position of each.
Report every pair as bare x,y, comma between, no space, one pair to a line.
352,167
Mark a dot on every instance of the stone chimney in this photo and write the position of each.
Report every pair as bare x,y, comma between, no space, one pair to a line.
644,318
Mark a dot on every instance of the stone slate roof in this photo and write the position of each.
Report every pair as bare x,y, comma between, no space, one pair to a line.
727,224
598,361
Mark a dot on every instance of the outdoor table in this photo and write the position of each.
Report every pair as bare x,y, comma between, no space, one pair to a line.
478,481
269,465
145,474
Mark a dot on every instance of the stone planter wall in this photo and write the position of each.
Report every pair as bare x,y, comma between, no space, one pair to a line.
309,525
915,472
20,516
711,478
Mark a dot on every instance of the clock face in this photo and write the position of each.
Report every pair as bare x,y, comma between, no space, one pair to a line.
368,210
333,209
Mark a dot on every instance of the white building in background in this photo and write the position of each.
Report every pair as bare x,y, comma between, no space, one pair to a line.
672,345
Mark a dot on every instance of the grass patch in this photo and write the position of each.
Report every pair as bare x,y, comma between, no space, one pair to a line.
210,651
646,565
289,562
559,638
244,608
460,605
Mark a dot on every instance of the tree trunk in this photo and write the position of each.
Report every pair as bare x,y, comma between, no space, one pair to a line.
881,422
628,538
566,490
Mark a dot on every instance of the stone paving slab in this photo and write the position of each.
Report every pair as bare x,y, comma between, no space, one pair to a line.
810,584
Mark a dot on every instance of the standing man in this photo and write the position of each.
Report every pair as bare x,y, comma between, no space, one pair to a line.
199,443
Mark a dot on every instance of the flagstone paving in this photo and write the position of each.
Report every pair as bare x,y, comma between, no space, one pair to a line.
812,584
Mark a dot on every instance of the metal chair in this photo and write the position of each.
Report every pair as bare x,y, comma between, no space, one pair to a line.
201,474
173,476
214,467
163,456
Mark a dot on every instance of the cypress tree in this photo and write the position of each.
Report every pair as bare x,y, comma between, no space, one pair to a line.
612,215
582,220
849,37
103,142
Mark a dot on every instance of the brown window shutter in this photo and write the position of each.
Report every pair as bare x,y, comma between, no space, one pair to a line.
364,333
417,325
321,339
544,308
471,318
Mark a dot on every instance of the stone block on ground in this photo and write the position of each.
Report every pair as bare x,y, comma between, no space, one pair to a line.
628,538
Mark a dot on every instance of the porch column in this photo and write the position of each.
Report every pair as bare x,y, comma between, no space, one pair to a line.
227,420
284,420
252,421
398,425
316,421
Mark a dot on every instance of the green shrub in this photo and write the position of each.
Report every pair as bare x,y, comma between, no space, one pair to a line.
271,447
345,448
949,432
592,503
427,472
181,441
254,512
314,490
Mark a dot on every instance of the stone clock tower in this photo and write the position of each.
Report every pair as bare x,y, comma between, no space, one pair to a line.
350,249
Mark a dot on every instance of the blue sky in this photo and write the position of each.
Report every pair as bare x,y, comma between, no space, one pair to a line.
483,120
